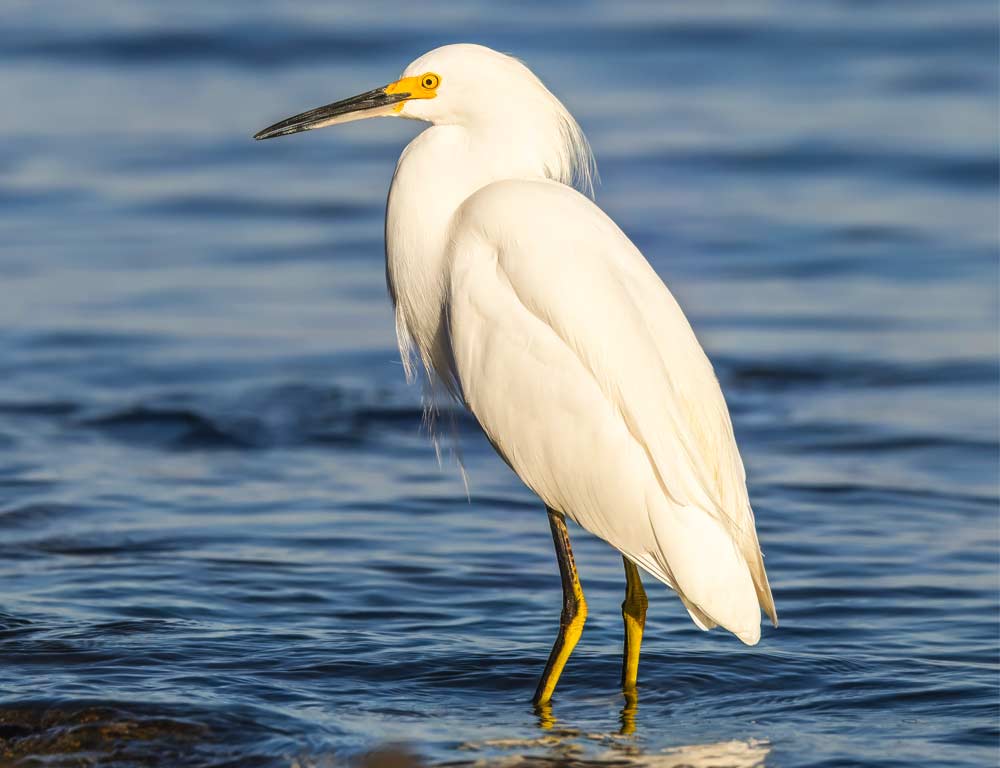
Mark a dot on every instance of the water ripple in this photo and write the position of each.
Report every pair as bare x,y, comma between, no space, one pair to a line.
225,538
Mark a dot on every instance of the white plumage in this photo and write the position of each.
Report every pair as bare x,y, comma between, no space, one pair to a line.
524,298
521,298
587,378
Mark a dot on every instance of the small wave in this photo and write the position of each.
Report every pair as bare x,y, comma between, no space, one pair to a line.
853,493
38,408
820,158
168,427
285,415
219,206
942,81
246,45
10,624
803,373
63,339
836,438
29,515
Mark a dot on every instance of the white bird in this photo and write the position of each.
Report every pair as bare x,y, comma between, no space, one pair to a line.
523,300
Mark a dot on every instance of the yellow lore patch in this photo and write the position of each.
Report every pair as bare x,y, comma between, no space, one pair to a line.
419,87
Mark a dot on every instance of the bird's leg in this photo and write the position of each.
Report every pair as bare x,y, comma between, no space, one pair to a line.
574,611
634,614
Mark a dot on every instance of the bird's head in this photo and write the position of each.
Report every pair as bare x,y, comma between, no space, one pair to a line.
493,95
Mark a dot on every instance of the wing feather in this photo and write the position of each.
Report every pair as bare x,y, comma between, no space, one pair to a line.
592,308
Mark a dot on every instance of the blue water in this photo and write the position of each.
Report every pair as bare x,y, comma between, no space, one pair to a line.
224,539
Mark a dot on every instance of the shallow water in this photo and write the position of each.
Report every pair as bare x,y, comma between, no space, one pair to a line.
224,539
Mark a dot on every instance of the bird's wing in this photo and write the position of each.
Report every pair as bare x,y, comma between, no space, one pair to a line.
549,300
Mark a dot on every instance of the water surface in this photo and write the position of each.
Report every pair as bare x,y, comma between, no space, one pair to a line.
224,539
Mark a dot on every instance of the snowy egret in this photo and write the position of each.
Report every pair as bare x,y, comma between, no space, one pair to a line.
522,299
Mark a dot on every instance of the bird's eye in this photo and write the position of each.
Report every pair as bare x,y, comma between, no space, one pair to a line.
430,81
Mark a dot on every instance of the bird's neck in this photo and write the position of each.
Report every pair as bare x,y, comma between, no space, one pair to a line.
436,173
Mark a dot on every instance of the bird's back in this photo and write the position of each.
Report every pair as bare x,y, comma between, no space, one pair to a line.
588,379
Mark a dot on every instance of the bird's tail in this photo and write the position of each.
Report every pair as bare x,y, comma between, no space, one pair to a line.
707,571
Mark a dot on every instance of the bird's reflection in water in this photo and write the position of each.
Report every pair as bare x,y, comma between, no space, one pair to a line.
569,746
563,742
547,720
628,713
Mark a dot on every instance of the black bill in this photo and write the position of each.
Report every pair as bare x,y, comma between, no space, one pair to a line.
363,105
